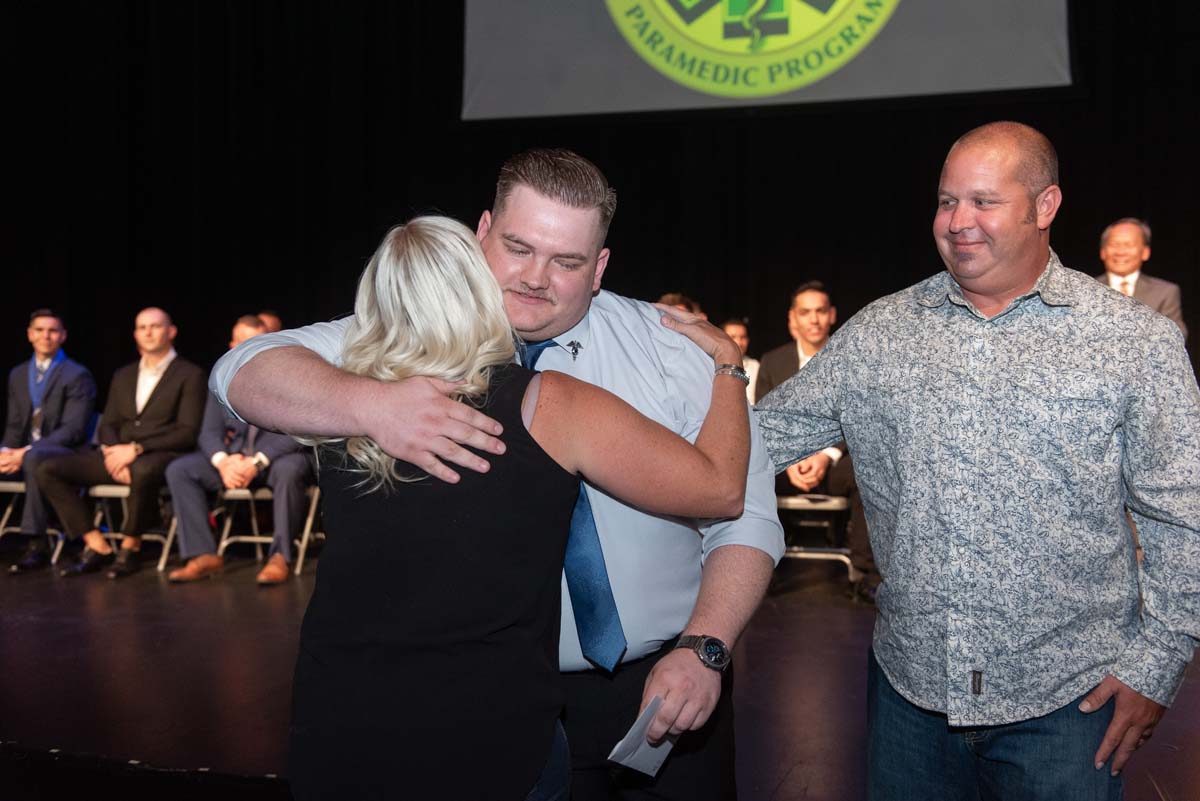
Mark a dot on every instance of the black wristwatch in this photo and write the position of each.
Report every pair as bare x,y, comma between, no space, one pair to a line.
712,652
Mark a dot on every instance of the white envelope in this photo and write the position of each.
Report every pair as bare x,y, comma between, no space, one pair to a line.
634,752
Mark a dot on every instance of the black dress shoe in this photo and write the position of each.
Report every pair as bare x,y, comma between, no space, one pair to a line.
128,562
35,557
89,562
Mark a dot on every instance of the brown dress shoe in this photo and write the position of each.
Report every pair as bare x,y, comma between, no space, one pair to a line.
275,571
198,567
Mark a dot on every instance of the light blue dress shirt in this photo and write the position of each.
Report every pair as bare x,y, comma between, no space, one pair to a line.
654,562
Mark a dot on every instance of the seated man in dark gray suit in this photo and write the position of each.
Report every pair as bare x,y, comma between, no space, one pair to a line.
50,404
152,416
1124,248
235,455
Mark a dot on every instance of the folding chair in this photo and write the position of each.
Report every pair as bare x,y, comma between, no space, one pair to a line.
103,493
14,489
826,509
257,537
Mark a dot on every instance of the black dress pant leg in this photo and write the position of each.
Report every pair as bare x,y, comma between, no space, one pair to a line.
600,709
842,482
62,478
148,475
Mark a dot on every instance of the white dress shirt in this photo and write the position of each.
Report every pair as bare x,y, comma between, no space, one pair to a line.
1115,281
654,563
148,378
751,368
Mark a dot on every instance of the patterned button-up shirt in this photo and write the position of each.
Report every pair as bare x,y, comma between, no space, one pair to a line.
996,458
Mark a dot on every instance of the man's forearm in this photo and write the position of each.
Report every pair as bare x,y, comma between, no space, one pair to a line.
733,583
293,390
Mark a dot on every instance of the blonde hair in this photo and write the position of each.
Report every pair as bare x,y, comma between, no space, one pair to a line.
427,305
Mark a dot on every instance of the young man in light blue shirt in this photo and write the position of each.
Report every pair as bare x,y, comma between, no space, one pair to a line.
669,579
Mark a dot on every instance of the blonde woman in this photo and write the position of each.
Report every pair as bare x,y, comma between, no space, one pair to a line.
428,654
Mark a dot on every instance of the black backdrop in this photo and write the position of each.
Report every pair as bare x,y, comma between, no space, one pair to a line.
215,158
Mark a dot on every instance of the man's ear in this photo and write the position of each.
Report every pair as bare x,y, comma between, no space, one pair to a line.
601,263
1047,204
485,225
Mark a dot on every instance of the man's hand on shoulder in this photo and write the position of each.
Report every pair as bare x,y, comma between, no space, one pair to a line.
415,421
689,690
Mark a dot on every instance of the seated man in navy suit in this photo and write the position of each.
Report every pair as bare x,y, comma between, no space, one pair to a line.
151,416
50,404
234,455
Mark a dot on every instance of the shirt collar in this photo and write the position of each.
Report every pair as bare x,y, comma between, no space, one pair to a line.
1115,281
1052,286
46,364
161,367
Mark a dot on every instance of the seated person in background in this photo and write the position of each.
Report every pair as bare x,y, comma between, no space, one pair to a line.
738,329
1124,248
152,415
50,404
235,455
683,303
810,322
433,628
271,320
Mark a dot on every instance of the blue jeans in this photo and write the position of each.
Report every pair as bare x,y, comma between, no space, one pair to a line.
913,755
555,782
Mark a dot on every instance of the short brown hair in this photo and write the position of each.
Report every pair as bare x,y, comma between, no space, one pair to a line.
810,286
561,175
681,300
252,321
36,313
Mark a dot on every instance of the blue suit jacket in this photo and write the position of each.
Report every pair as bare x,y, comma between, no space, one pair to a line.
67,406
221,432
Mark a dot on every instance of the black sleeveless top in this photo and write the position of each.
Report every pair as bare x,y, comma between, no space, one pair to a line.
428,663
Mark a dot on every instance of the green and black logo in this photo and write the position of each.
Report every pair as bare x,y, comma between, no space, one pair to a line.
749,48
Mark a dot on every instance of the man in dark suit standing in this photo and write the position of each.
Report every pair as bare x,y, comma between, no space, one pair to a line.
51,400
1124,248
152,416
236,455
810,321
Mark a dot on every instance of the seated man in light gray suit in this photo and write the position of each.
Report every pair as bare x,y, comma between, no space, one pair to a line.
1124,248
234,455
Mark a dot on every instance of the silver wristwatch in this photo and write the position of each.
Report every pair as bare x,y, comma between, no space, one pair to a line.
713,653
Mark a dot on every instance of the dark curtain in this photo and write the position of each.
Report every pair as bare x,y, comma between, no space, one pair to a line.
219,158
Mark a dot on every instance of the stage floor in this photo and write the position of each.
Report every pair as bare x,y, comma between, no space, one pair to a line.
198,677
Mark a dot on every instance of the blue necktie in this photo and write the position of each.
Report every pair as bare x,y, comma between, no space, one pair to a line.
596,618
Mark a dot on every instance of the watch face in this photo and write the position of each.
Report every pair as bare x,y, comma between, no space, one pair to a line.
714,652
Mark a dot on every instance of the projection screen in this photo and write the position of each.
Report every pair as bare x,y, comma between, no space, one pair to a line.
550,57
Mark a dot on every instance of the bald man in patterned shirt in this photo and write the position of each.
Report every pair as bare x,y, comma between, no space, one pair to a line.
1004,414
